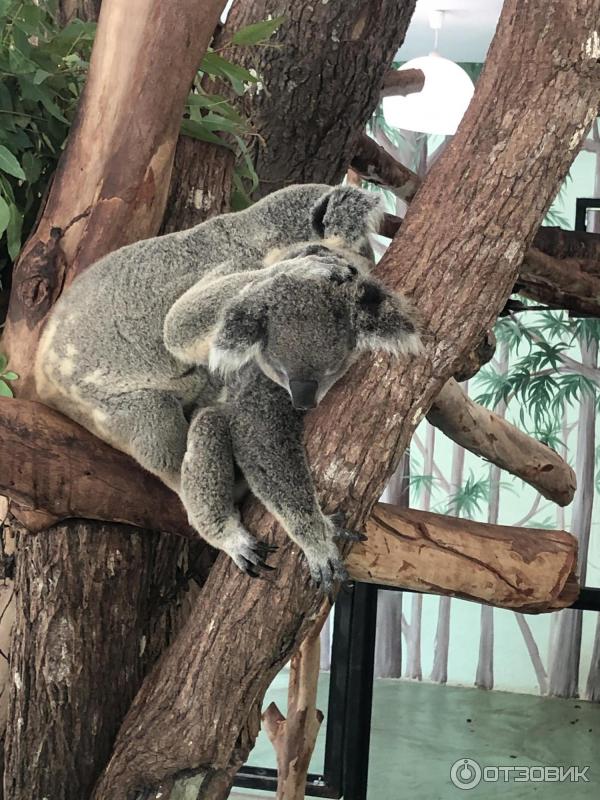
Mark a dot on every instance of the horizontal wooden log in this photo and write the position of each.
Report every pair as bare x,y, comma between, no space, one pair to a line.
51,464
484,433
524,569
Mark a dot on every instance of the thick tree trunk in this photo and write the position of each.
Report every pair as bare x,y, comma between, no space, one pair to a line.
86,10
459,248
322,73
95,603
200,184
93,613
565,659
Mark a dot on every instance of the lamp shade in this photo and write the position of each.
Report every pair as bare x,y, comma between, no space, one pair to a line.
440,105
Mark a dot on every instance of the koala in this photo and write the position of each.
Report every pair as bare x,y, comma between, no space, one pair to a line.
198,353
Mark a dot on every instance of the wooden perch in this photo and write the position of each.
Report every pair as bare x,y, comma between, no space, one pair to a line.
374,164
486,434
402,82
524,569
52,464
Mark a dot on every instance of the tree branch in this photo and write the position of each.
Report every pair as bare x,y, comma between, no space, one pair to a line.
402,82
561,269
484,433
51,463
525,569
373,164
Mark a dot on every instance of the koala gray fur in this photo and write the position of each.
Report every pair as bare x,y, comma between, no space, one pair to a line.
184,351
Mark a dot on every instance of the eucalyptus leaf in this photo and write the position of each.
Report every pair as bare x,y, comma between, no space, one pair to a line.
4,215
5,390
9,164
257,32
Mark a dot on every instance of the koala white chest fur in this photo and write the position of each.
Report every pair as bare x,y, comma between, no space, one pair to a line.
198,352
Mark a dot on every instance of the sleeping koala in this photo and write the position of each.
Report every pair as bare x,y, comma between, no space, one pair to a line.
198,353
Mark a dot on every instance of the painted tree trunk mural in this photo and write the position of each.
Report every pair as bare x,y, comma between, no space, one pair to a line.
439,672
414,667
388,639
564,664
484,676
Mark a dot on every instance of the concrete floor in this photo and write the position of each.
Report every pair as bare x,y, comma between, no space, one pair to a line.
419,730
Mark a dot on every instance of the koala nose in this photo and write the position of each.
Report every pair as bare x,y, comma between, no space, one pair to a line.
304,394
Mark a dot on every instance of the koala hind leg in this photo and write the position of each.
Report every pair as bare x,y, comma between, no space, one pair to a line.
149,425
208,478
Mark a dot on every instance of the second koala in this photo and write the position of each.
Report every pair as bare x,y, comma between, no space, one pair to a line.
198,353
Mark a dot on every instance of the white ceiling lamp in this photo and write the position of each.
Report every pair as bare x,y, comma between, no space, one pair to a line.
441,103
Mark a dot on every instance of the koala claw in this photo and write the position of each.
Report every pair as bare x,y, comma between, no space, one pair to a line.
326,575
250,556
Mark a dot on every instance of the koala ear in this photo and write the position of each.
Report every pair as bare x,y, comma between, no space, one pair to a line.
239,334
347,213
385,321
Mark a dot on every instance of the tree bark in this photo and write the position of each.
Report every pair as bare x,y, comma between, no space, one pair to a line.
86,10
200,184
86,630
402,82
322,73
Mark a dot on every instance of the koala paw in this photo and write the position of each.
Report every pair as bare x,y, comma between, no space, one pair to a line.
248,553
325,562
330,267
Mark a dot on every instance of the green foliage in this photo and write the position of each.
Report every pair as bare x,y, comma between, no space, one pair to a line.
209,115
42,69
42,72
5,376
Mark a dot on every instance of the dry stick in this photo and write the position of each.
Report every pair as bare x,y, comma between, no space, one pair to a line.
294,736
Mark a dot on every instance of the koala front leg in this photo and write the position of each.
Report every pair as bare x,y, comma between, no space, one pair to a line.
207,491
266,434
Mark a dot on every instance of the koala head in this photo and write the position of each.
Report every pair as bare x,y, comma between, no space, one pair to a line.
305,328
345,216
